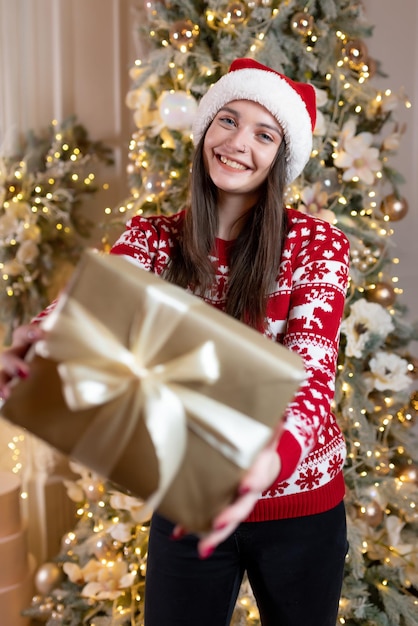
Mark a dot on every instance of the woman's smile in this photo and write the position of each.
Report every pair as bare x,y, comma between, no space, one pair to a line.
232,163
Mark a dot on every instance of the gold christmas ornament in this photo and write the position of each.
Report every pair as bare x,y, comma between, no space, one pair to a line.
371,513
47,577
381,293
302,23
394,207
183,35
104,550
364,259
44,608
408,473
95,491
355,54
236,13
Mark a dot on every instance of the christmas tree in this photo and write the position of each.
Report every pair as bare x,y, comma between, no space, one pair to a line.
348,181
43,221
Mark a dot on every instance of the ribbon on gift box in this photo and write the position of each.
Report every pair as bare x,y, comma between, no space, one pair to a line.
95,368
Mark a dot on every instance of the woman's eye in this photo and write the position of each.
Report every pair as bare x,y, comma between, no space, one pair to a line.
227,120
266,137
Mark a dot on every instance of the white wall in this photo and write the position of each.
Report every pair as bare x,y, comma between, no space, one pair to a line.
394,43
65,57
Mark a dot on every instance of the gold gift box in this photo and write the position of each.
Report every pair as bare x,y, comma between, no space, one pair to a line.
151,387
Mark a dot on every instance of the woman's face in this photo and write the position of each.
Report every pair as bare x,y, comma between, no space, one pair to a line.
240,146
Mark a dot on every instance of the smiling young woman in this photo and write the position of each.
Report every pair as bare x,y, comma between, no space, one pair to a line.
285,274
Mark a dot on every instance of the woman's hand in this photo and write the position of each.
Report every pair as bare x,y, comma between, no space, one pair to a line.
259,477
12,361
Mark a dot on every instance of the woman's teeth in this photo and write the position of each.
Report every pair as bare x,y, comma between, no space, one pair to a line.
234,164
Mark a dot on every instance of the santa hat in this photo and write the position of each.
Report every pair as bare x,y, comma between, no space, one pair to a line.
293,105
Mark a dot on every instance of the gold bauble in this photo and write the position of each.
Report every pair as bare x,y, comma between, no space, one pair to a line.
355,54
236,13
47,577
95,491
371,513
103,549
381,293
394,207
183,35
408,473
364,260
302,23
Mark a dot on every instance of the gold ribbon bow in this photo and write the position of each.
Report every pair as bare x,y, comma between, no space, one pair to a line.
95,368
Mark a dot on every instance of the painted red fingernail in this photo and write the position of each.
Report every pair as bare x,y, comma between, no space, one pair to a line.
205,553
220,525
243,490
22,373
177,533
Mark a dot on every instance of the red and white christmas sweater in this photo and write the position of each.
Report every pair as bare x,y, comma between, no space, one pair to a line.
304,313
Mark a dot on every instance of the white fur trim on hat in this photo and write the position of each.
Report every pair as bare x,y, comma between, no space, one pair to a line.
272,91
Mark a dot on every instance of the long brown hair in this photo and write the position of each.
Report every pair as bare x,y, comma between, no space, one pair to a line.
255,254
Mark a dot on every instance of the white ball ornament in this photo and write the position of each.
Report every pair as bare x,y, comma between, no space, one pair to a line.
177,109
48,576
155,185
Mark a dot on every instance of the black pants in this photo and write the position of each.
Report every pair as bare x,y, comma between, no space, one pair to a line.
295,567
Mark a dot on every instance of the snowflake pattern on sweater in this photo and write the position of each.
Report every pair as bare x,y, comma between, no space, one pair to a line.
304,313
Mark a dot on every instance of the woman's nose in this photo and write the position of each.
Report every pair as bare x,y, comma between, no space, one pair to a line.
238,142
